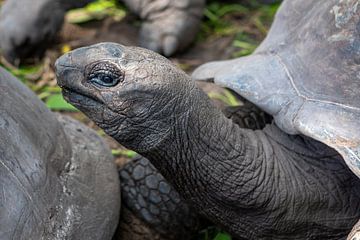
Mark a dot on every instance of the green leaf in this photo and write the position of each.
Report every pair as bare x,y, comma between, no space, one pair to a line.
231,8
246,44
57,103
222,236
227,97
101,133
25,72
96,11
123,152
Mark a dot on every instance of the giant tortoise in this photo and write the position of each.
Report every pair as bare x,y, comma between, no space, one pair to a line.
59,180
306,73
290,180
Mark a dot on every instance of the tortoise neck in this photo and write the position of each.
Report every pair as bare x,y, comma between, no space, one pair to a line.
204,153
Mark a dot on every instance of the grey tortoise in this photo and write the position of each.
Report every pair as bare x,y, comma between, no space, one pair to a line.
27,27
256,184
306,74
59,180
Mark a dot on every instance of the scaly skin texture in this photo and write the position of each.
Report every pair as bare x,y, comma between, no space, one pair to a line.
248,116
152,200
261,184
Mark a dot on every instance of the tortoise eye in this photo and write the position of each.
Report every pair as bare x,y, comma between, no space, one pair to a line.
104,80
105,74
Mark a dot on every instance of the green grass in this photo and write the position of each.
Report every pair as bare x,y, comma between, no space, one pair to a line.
213,233
228,98
97,10
222,236
248,23
215,22
56,102
245,44
46,89
124,153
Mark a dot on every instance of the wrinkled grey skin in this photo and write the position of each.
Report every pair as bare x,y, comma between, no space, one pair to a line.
27,25
152,209
58,179
262,184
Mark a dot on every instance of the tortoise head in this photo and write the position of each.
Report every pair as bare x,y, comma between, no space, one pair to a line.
134,94
26,26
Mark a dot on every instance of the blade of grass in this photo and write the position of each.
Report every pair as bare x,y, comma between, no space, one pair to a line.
123,152
222,236
228,98
96,11
56,102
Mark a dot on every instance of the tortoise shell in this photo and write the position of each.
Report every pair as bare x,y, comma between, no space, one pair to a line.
58,178
306,73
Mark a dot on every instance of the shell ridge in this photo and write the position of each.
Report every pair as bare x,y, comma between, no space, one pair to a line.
333,103
303,96
288,74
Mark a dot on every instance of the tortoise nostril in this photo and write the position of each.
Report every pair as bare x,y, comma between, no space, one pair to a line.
64,61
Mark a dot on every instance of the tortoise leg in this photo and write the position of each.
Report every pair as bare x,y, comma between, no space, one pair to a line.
355,233
152,208
168,26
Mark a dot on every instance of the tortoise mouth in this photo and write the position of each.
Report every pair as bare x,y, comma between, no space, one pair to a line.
79,99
